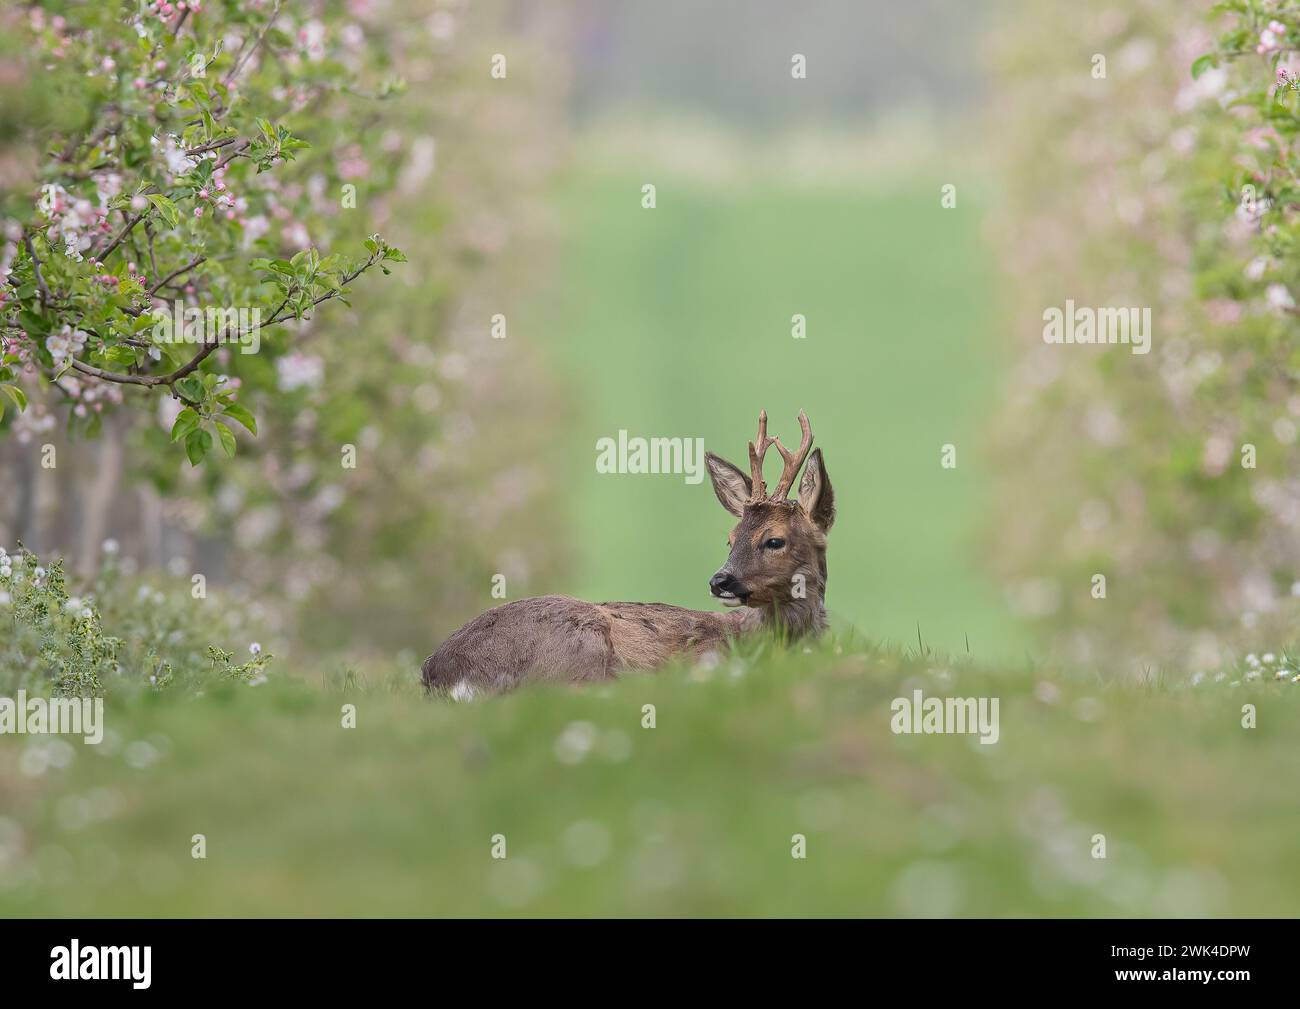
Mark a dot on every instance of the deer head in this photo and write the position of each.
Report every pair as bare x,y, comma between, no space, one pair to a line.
777,559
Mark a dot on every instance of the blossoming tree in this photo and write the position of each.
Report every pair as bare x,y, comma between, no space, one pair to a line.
157,246
1169,181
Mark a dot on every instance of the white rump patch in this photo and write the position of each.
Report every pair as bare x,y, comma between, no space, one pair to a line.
462,691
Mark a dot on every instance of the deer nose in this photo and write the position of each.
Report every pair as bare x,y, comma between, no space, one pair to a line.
723,582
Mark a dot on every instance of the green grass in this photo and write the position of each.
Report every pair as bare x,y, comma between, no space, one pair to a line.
676,322
692,817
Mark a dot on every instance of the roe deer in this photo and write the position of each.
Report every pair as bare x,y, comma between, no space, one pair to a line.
776,571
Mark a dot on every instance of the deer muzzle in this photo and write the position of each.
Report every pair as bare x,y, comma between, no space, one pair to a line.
725,587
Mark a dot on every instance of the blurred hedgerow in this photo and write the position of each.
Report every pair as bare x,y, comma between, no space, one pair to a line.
1169,183
389,428
156,195
116,633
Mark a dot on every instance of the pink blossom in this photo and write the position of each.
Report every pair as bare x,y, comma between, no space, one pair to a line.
1271,38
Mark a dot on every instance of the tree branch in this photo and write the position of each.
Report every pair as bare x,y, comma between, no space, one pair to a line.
236,153
172,377
153,263
176,273
135,313
101,256
214,145
244,58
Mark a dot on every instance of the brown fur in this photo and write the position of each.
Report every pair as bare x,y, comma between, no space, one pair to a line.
565,639
558,638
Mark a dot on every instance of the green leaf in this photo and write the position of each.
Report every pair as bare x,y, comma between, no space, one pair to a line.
238,413
227,437
120,355
267,130
17,395
192,387
33,323
197,444
1201,64
165,207
187,421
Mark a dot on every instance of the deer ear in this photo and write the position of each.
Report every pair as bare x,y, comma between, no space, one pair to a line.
729,483
815,494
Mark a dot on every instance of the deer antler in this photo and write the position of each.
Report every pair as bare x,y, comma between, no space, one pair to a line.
759,489
792,460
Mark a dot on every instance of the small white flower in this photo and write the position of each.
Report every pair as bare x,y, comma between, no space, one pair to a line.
299,371
86,614
178,163
1269,658
254,649
1279,297
109,546
574,743
5,571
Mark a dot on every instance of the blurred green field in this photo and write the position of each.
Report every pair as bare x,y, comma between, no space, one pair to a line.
693,817
676,322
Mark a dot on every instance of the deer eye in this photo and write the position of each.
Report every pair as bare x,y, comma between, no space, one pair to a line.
774,543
